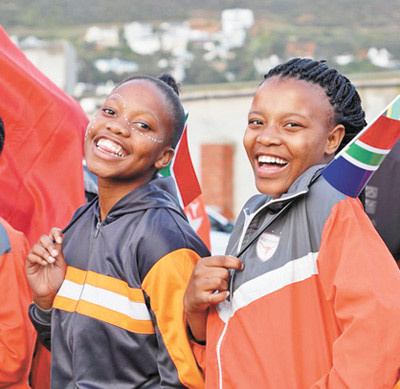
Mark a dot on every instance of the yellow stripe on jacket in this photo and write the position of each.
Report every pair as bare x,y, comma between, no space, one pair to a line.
104,298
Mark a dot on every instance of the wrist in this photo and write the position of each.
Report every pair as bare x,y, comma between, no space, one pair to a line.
43,303
43,314
197,326
191,337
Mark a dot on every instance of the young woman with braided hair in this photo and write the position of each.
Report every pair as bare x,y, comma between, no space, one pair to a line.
307,295
109,292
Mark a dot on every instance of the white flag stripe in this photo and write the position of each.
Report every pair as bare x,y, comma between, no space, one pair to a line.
359,164
293,271
372,149
104,298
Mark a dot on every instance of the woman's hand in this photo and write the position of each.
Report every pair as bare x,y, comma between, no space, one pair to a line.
46,268
207,286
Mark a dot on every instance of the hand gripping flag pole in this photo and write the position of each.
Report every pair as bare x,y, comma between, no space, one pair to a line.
352,168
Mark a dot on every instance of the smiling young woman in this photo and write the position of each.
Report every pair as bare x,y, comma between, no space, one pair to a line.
307,289
291,128
111,288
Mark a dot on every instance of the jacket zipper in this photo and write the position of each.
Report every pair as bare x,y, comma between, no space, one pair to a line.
92,243
98,225
248,218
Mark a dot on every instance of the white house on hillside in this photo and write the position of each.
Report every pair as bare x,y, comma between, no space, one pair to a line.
234,25
106,37
141,38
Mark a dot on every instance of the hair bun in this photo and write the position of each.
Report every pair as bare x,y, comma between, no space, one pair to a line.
170,81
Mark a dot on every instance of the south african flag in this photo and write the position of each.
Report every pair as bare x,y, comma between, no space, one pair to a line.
351,169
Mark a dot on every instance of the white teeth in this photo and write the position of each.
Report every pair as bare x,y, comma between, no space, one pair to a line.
110,145
268,159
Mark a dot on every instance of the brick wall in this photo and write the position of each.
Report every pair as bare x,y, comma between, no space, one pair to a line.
217,177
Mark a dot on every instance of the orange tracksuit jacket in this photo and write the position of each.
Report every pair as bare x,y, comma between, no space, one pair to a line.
318,303
17,336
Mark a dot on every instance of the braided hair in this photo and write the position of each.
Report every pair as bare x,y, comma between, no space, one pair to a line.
167,84
2,135
341,93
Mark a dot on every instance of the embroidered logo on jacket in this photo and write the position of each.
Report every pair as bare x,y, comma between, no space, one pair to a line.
266,246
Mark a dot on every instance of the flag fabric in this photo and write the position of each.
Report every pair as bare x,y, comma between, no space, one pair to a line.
188,188
351,169
181,169
199,220
41,174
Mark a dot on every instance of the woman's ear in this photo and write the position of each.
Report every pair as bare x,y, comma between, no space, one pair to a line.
165,158
334,139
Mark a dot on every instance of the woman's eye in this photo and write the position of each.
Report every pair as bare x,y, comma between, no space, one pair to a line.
255,122
142,126
108,111
292,125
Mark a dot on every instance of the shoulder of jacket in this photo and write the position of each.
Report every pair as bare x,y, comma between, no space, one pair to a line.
322,195
10,237
5,244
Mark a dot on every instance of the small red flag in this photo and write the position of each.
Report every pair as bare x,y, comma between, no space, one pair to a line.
188,188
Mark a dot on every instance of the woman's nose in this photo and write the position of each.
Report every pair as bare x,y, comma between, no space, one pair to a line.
118,127
269,135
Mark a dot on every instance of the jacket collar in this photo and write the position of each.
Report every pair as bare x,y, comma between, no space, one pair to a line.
160,192
298,189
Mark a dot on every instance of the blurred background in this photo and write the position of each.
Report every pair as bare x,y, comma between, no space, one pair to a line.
218,51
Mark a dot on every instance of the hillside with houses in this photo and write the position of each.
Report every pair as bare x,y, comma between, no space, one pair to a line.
97,44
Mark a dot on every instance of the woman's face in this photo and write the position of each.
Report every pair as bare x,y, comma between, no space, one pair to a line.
290,128
129,137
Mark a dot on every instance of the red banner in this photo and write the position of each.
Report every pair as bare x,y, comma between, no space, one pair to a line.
41,177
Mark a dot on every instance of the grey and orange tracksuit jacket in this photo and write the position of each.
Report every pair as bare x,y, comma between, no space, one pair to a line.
17,335
117,320
318,303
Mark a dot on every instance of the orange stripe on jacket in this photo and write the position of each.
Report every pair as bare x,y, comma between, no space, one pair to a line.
88,293
165,284
115,318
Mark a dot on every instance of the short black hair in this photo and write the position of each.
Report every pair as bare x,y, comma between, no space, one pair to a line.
2,135
167,84
341,93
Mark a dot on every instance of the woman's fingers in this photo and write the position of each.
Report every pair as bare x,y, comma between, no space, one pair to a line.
223,261
56,235
37,259
44,251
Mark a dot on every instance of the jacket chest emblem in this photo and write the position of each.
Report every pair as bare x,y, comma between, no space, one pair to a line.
266,246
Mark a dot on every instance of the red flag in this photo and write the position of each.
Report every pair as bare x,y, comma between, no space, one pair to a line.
188,188
41,176
181,169
198,219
